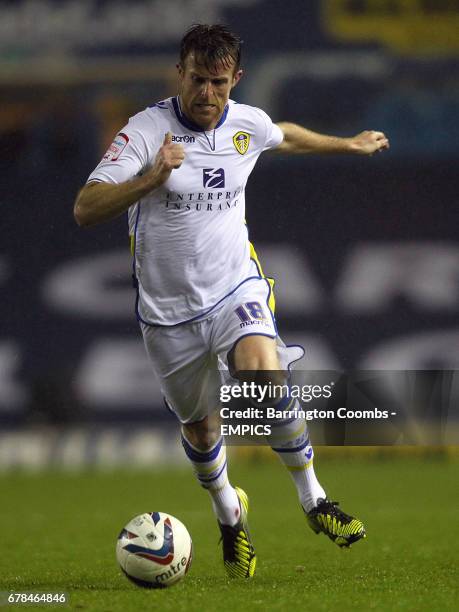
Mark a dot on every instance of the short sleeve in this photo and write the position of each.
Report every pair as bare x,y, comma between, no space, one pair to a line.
273,134
127,156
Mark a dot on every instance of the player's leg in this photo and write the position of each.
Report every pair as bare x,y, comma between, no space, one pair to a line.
181,360
248,332
206,451
252,356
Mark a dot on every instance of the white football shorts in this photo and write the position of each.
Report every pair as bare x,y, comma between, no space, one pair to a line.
191,360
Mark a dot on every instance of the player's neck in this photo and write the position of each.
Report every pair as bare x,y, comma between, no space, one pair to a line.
199,126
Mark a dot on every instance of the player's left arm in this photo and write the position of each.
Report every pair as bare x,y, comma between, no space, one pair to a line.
298,139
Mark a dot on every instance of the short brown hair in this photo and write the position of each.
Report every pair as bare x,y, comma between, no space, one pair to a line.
212,45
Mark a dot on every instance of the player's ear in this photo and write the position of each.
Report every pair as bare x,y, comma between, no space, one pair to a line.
180,70
237,77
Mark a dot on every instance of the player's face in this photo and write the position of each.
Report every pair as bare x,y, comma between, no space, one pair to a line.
204,94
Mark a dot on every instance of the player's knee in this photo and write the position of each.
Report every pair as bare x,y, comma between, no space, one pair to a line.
262,372
254,354
203,435
255,361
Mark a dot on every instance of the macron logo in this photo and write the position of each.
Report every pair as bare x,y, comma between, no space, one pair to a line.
184,138
213,178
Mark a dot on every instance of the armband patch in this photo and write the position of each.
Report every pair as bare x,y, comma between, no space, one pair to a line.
117,147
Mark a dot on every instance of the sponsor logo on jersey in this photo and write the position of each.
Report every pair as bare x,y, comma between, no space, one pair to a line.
184,138
241,141
213,178
117,147
208,201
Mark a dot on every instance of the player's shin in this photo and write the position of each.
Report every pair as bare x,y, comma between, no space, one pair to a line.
210,467
290,440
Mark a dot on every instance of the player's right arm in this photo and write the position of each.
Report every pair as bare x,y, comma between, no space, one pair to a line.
99,201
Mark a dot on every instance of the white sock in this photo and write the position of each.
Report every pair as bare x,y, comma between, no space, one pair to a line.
290,440
211,471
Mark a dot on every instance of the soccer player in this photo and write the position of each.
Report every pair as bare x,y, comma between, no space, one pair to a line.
179,169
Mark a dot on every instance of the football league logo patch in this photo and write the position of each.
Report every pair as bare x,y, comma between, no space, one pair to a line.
241,141
117,147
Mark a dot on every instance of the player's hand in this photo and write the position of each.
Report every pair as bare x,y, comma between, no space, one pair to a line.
169,157
368,142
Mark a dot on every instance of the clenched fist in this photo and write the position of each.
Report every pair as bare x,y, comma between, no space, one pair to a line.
368,142
169,157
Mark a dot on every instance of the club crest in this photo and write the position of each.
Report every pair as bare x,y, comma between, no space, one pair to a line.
241,141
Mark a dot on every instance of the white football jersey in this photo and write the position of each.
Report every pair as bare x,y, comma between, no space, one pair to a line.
191,247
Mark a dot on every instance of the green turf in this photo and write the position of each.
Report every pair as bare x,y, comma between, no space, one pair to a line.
59,531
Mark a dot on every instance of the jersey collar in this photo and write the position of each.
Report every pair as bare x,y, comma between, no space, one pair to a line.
191,125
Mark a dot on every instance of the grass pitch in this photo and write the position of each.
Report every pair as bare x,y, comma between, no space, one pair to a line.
59,532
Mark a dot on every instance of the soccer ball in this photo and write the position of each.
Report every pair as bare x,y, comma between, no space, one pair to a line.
154,550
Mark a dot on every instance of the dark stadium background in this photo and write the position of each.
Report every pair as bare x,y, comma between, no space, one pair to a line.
365,250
